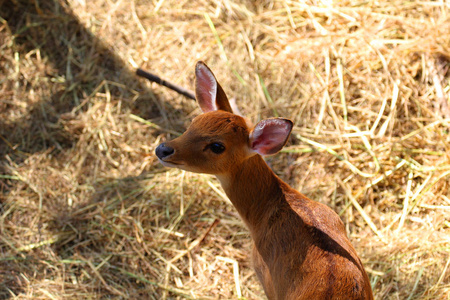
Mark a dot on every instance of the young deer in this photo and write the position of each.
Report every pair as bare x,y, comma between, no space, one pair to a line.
301,250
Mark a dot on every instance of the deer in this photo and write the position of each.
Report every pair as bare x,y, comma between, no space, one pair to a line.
300,246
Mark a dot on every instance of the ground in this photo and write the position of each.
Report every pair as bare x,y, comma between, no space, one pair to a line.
86,210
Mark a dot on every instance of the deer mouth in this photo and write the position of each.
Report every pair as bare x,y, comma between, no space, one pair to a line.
170,164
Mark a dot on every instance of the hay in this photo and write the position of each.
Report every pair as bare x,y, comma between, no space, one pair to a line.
87,212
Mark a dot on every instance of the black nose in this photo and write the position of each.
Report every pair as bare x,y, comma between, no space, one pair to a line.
163,151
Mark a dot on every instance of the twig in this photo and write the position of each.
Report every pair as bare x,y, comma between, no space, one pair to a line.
360,210
193,244
441,106
154,78
416,283
405,202
235,273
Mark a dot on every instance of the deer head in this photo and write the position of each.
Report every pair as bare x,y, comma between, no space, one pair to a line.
218,140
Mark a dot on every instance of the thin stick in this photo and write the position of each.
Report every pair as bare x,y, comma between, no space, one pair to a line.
405,202
154,78
235,273
360,210
341,90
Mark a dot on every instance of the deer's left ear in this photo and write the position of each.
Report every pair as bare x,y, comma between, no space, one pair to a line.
210,95
270,135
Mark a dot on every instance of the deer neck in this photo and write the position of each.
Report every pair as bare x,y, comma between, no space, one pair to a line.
254,190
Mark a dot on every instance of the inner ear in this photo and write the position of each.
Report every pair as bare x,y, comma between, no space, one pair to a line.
210,95
269,136
205,88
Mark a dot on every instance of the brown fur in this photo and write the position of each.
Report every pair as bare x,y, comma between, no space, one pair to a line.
301,248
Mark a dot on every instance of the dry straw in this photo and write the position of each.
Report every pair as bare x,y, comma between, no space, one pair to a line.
86,210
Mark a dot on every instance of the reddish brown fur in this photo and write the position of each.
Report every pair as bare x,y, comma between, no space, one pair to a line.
301,250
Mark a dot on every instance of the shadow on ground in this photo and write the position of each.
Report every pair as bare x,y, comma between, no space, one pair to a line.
72,64
74,60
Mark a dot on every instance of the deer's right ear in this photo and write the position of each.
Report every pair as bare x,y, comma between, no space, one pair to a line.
210,95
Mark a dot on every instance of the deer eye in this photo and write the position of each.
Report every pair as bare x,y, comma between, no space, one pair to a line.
217,148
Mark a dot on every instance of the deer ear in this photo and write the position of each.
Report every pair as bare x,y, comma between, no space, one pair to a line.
270,135
210,95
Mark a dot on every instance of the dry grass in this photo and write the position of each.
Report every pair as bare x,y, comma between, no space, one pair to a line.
88,213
